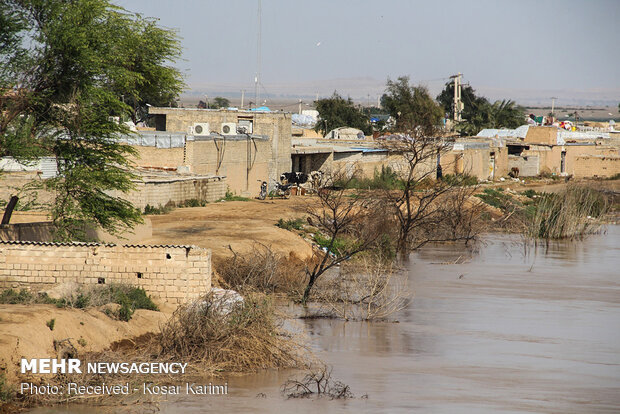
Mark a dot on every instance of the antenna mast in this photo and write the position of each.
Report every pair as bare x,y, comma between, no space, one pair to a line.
258,47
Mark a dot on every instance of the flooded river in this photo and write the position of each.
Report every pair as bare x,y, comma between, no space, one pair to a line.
500,331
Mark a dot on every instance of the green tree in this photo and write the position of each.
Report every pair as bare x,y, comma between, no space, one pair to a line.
219,102
478,113
336,112
411,106
69,68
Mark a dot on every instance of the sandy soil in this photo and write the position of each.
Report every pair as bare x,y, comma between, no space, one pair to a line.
24,333
238,224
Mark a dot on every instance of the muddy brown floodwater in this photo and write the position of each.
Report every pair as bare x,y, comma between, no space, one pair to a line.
502,331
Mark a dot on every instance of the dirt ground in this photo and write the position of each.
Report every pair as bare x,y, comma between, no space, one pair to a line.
238,224
24,333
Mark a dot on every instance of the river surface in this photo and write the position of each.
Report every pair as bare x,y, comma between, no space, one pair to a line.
504,330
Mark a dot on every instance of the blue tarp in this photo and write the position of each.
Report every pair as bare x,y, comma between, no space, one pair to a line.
261,109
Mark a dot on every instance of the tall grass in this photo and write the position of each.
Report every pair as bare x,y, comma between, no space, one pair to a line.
572,213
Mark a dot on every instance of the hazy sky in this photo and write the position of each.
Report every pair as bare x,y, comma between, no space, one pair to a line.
524,50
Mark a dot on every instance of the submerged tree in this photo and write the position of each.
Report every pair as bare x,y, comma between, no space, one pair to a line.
68,70
347,225
427,206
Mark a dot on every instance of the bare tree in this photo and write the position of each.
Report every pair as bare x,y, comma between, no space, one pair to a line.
347,222
372,288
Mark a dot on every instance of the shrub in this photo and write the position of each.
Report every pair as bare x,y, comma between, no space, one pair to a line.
386,179
50,324
460,180
230,196
261,270
149,209
291,224
246,338
6,391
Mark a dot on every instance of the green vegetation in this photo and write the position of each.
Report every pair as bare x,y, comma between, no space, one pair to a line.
149,209
478,113
129,298
412,107
386,179
571,213
6,391
230,196
23,296
339,246
50,324
291,224
338,112
496,198
81,342
72,68
459,180
193,202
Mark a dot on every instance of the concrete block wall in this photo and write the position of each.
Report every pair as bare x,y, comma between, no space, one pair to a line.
156,193
269,159
159,157
174,274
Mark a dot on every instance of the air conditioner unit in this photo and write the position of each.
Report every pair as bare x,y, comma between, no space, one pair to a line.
245,126
229,128
200,129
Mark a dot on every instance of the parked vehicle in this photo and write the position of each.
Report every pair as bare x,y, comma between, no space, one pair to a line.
281,190
263,190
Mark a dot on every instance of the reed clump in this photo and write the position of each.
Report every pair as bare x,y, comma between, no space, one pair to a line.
577,211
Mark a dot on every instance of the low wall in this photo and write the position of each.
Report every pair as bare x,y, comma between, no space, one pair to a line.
174,274
161,192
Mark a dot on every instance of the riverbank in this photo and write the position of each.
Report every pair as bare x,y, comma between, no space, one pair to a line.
223,227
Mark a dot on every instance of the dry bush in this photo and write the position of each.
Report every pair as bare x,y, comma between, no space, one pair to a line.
245,339
261,270
371,288
316,383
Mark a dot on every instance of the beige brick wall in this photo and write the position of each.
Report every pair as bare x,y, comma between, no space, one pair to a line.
174,274
268,159
159,157
596,166
160,193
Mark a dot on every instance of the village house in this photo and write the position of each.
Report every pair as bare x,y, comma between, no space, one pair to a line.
246,147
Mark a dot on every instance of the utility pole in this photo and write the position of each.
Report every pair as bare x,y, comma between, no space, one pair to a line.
553,98
258,44
242,97
457,107
299,107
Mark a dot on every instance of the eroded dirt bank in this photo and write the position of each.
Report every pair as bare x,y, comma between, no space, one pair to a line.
24,331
